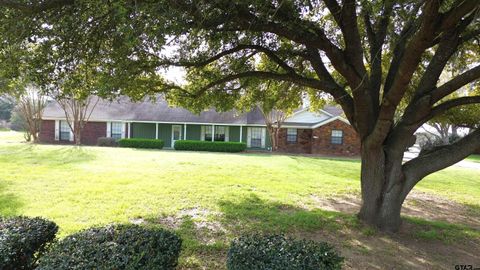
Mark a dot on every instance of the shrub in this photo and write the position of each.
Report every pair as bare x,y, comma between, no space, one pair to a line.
115,247
210,146
23,240
141,143
280,253
106,141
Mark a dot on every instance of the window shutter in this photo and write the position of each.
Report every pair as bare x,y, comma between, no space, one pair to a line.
123,130
71,132
227,134
263,137
249,137
202,133
57,130
109,130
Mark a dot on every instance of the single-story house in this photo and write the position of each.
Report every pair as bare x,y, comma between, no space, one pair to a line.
324,132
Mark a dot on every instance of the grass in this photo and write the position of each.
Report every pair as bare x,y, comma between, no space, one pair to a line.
208,198
474,158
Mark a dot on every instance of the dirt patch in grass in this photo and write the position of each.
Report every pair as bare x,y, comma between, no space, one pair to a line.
418,204
436,234
364,249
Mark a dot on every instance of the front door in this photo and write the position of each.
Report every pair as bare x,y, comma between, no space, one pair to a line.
176,134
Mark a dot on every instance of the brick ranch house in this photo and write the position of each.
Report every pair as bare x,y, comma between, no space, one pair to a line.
324,132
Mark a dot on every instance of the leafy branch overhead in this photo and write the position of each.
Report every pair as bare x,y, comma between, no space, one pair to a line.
381,61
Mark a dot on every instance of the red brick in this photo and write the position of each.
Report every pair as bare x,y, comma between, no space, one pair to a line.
91,132
321,143
318,141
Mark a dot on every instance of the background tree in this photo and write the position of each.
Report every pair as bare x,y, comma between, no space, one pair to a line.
276,101
379,60
30,103
7,103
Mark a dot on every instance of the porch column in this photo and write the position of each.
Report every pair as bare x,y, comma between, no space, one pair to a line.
129,130
213,132
185,131
156,131
241,133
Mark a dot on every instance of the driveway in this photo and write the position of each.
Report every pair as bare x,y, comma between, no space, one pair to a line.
414,150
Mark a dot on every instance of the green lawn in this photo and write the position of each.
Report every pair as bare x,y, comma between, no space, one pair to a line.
474,158
217,194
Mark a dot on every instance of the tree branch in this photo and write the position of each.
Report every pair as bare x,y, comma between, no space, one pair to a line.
417,168
32,8
455,84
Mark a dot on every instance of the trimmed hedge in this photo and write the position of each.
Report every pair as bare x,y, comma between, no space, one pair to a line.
115,247
280,253
210,146
141,143
107,141
23,240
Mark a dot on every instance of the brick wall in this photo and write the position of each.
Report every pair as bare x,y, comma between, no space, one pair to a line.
318,141
90,133
47,131
303,144
321,140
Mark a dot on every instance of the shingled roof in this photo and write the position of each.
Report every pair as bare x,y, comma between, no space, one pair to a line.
123,109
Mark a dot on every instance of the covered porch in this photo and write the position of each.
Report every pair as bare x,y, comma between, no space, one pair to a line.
255,136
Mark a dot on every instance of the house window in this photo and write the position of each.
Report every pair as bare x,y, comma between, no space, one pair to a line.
291,135
337,137
208,133
256,137
116,129
219,134
64,131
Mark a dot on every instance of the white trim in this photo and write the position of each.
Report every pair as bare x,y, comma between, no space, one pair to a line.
156,131
308,108
213,133
123,130
264,137
331,120
57,130
162,122
172,140
72,135
109,130
185,131
241,133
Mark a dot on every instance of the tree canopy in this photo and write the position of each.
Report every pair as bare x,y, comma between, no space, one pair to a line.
381,61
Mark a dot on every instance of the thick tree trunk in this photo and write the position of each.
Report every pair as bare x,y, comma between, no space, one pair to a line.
382,189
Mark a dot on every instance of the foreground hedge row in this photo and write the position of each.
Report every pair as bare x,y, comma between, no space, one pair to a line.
29,243
141,143
231,147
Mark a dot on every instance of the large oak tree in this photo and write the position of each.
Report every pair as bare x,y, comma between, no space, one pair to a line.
379,60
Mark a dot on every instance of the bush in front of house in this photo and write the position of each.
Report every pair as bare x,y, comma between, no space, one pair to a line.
277,252
23,240
115,247
141,143
107,141
231,147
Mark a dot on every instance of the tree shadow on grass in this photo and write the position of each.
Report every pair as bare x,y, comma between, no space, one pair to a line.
30,154
10,205
421,244
254,213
